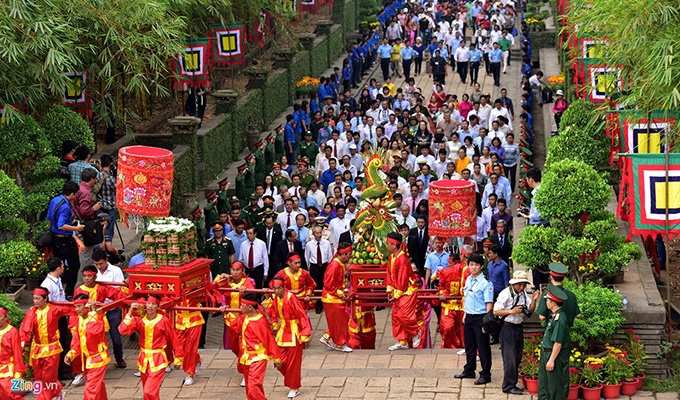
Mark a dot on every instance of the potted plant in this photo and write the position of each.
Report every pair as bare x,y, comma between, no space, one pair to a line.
613,371
14,256
36,272
305,86
591,378
529,368
574,382
636,356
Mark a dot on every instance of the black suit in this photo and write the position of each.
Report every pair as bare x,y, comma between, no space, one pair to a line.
417,249
281,252
506,249
277,236
345,237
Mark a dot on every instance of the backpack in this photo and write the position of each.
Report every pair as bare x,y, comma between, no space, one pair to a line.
493,324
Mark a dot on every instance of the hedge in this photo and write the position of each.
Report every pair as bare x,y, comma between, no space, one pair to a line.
248,111
350,16
335,44
320,56
215,150
185,165
276,94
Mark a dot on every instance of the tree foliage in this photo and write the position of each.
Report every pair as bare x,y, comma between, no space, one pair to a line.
61,124
22,139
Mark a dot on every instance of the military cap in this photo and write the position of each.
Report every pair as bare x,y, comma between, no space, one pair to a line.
254,196
211,196
556,294
195,210
558,269
224,181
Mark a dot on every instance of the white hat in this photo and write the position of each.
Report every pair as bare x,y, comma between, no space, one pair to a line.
352,146
559,92
519,277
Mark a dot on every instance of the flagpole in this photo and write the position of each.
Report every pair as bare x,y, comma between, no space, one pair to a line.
666,237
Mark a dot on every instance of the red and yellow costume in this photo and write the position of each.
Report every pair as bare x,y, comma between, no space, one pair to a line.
451,283
361,326
336,311
257,347
89,344
302,282
156,341
45,348
233,300
11,361
289,320
402,284
188,333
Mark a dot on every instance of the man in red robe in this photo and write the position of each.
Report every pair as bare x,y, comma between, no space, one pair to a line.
41,322
296,278
334,296
257,346
89,344
289,320
188,326
451,283
361,326
11,360
156,341
235,280
402,290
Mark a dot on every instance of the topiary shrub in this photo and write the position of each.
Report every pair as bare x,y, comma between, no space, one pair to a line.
11,197
21,139
62,124
14,312
580,114
15,255
47,167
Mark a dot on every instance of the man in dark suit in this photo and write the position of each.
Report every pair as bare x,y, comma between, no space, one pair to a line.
504,241
283,248
417,244
270,233
348,236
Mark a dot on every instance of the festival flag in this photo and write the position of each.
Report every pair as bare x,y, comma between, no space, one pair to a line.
4,107
648,197
261,28
292,8
228,44
191,67
643,132
310,6
601,81
76,96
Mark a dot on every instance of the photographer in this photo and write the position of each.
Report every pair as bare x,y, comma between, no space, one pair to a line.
104,192
85,211
513,304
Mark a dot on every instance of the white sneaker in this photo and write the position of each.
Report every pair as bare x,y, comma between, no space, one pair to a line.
168,369
327,341
188,381
416,340
398,346
78,380
62,395
293,393
461,352
138,374
243,382
345,348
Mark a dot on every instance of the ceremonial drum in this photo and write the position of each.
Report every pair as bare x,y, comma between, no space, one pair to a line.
452,208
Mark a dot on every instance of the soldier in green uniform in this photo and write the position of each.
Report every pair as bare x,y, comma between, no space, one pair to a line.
398,162
260,166
278,143
558,271
210,209
269,152
199,223
553,371
249,179
268,210
241,187
277,177
303,170
221,250
252,213
222,198
308,148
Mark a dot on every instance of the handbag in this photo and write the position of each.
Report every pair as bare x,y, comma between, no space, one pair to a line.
45,238
493,324
94,230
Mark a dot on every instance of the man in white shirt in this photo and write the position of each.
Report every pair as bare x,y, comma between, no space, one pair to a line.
368,131
336,183
495,34
319,195
254,257
495,132
339,225
351,211
337,146
391,126
384,113
287,218
295,189
355,158
52,281
490,210
318,254
405,217
322,161
425,157
462,61
439,166
482,139
484,111
358,187
347,166
111,273
374,110
497,111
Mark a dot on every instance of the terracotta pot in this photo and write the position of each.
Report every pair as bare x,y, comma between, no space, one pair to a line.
629,388
611,391
573,391
591,393
641,381
532,385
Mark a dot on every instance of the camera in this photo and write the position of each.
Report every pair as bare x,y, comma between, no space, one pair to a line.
525,311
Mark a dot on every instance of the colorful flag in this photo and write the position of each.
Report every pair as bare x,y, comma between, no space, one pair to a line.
648,196
292,9
261,28
601,81
310,6
76,95
191,67
643,132
228,44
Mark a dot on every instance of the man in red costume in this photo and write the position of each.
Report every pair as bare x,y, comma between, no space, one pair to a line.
257,346
42,321
11,360
156,341
296,278
334,296
188,333
361,326
96,293
402,290
451,283
89,344
236,280
289,320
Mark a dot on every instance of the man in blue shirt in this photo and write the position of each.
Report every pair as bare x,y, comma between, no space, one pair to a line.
475,56
407,54
328,175
496,55
289,138
365,54
436,260
478,292
356,65
385,52
498,270
59,216
321,91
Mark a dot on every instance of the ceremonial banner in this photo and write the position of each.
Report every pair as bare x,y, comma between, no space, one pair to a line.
76,95
261,27
292,8
645,132
601,80
648,195
310,6
191,68
228,44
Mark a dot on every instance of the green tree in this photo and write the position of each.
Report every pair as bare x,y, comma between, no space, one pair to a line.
61,124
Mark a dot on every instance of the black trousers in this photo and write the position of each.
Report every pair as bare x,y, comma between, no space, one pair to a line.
65,247
511,174
512,344
474,71
419,65
496,71
318,271
406,64
463,70
257,273
385,67
487,64
476,340
441,78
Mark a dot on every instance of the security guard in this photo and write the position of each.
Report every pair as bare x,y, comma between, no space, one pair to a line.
220,249
558,271
303,171
222,197
249,178
199,223
241,187
553,371
210,209
252,213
